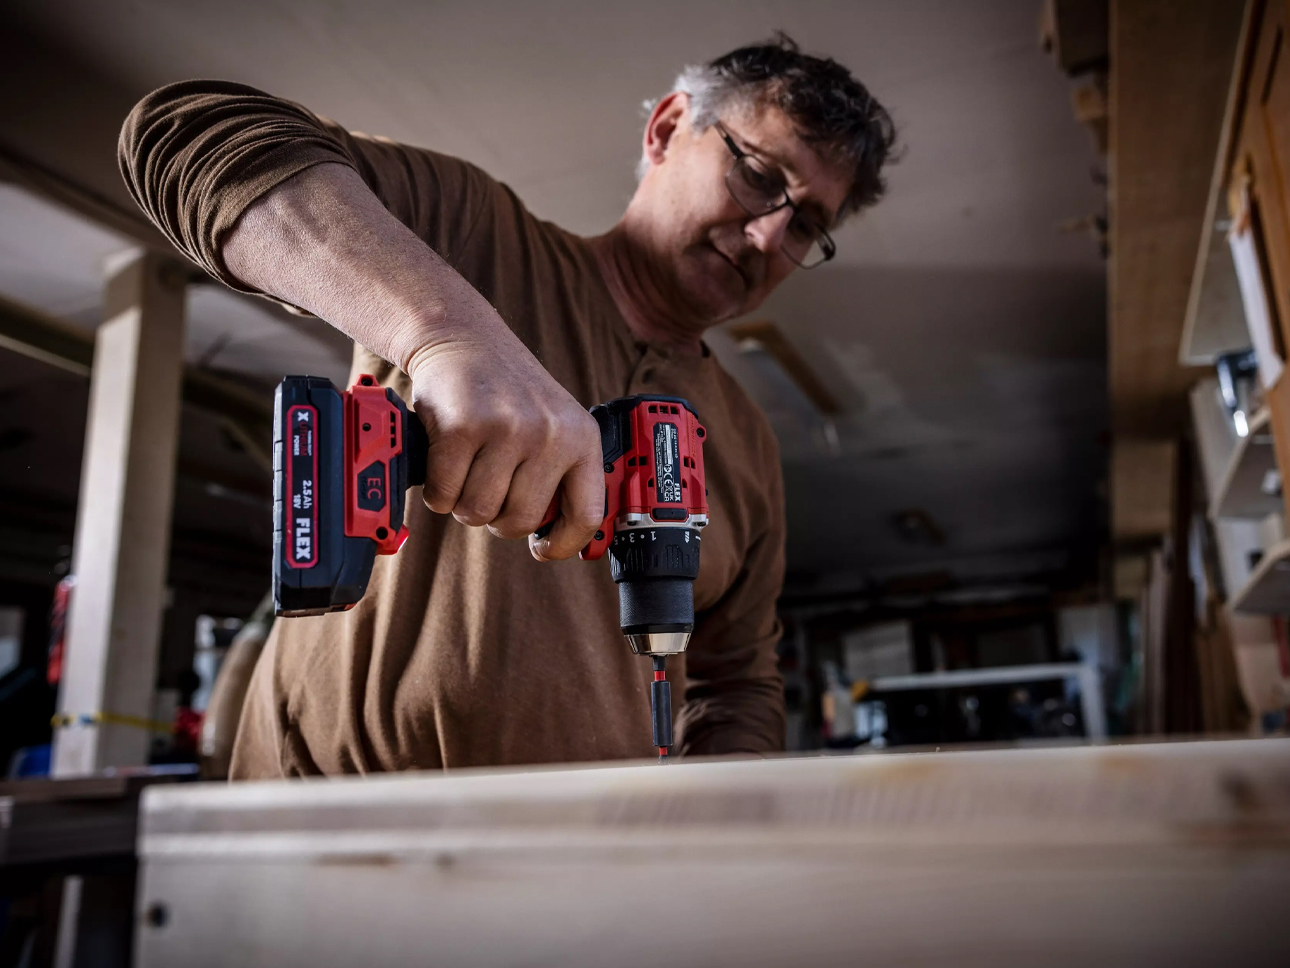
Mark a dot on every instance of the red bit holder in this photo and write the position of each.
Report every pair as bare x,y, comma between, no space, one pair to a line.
660,707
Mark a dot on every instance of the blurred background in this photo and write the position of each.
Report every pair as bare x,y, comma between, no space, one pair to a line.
1029,416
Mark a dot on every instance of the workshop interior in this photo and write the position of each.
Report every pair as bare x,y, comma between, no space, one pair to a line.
1033,646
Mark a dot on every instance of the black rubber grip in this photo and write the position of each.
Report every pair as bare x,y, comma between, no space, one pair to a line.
416,444
660,605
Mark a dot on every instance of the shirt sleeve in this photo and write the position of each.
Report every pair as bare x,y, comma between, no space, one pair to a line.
196,154
734,697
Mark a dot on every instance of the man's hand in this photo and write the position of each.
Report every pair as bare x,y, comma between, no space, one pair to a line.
504,436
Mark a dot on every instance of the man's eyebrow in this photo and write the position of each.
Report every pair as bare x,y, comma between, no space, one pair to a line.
810,205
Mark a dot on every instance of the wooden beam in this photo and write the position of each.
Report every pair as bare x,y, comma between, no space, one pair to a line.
1114,856
59,123
134,227
765,335
32,333
122,538
1075,33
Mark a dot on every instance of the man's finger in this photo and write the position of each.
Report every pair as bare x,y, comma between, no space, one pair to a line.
448,457
531,493
484,493
582,509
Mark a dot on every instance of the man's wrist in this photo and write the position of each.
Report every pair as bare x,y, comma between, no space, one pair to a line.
420,331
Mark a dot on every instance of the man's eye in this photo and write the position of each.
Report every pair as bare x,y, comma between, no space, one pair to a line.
759,179
802,228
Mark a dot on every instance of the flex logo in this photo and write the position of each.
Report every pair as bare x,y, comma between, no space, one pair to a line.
369,487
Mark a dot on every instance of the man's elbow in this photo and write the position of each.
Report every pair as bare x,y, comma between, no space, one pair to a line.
743,717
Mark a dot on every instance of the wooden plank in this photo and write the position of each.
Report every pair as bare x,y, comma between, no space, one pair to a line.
1109,856
1170,69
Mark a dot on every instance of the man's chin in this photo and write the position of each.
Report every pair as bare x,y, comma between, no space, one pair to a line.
712,300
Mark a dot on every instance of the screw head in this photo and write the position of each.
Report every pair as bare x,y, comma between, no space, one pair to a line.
600,536
157,915
609,468
382,533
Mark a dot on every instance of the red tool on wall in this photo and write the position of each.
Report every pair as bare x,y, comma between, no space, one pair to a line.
342,462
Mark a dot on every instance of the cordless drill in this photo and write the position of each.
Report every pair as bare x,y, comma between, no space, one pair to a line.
343,461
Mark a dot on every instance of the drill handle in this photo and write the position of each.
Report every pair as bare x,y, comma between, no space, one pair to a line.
416,448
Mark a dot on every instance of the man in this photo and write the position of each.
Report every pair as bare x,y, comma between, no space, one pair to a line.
502,330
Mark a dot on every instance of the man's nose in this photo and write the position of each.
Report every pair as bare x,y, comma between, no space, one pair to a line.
767,231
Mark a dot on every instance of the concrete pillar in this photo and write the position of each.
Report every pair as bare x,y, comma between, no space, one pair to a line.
122,539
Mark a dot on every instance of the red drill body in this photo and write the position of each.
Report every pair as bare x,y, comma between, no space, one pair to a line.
343,461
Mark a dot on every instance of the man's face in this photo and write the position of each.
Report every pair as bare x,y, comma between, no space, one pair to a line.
722,261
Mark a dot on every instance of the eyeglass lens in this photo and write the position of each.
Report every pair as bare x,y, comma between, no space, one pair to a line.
759,191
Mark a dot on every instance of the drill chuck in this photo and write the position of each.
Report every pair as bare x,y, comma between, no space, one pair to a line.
655,566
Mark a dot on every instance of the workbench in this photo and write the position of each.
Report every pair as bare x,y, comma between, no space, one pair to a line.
1137,855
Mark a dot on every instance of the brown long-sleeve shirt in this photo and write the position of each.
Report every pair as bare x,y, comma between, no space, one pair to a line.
465,651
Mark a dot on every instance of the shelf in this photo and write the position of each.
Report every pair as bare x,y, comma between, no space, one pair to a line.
1240,492
1088,677
1268,590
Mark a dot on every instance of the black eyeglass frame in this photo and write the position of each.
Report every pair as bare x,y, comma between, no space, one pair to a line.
827,245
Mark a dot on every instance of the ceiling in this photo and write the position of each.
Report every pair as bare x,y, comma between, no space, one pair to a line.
960,327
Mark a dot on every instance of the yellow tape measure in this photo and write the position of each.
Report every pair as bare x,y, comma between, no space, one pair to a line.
63,720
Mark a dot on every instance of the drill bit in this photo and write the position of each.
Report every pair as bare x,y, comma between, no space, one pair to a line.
660,707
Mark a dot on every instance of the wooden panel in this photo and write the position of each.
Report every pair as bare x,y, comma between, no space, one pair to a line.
1171,65
1271,89
1158,854
1259,177
1260,165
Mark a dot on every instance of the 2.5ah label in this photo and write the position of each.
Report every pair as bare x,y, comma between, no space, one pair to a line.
302,474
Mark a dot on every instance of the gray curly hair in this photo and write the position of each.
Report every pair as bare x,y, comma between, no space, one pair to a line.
831,109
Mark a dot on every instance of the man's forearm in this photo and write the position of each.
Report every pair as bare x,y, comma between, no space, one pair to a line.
504,435
322,241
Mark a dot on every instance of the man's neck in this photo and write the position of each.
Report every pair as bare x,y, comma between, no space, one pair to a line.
641,291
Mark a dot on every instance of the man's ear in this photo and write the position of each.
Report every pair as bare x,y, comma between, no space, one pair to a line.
663,123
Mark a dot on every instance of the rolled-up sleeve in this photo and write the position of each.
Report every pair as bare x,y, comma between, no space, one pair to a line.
196,154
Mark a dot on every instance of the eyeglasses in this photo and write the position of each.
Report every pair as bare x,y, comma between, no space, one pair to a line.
759,190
